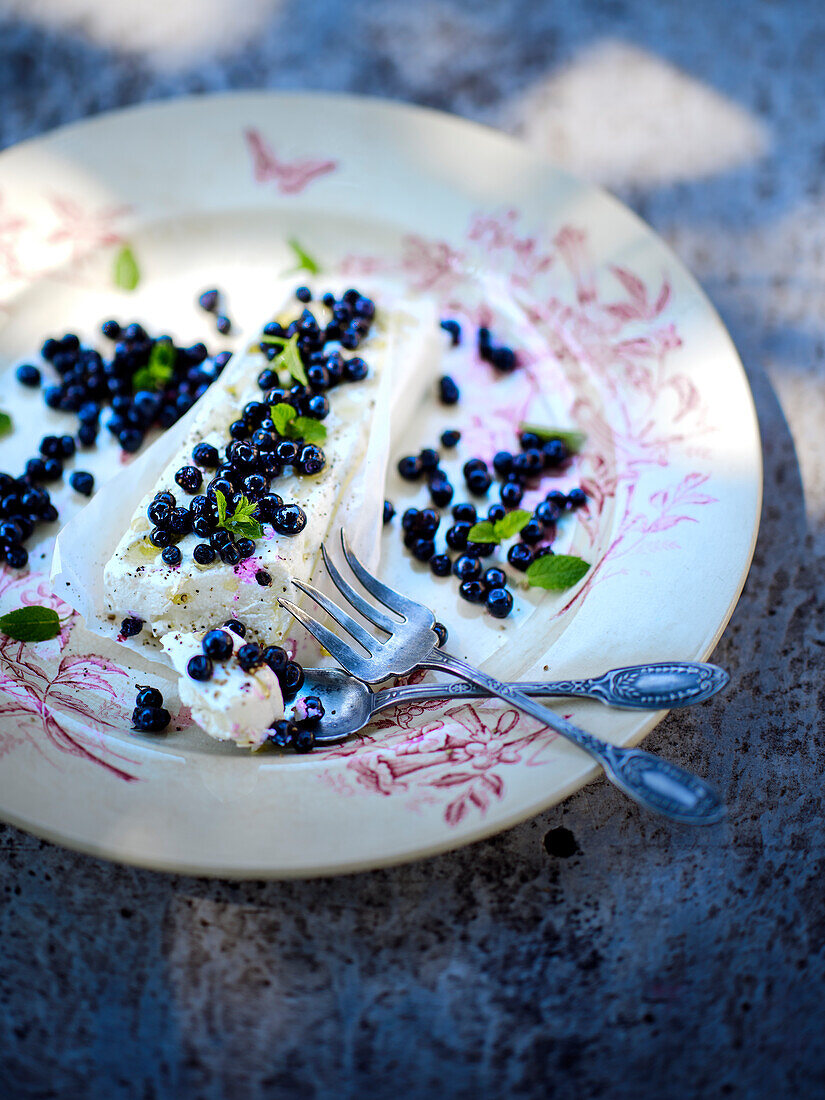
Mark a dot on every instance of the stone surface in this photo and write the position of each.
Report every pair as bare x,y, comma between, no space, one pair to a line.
629,959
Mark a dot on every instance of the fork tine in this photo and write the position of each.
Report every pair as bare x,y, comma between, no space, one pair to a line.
362,636
382,592
376,617
346,657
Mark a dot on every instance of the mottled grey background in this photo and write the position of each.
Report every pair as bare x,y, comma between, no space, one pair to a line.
620,957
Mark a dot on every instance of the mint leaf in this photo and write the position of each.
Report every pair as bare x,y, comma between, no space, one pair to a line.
483,532
282,414
159,369
573,440
289,357
511,524
5,423
220,500
30,624
126,271
305,262
308,429
556,571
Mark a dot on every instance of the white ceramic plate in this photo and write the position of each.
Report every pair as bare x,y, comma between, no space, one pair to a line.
617,339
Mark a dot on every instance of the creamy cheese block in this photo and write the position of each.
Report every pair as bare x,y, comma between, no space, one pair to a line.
233,705
402,351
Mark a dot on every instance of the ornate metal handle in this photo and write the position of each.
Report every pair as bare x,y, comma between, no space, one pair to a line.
649,780
659,686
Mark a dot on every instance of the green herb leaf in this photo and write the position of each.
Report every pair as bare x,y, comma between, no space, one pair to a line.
305,262
282,414
126,272
556,571
512,523
289,357
242,523
5,423
503,528
308,429
483,532
220,500
158,371
30,624
573,440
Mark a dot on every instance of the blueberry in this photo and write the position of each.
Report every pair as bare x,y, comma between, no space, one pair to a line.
289,519
28,375
532,532
203,553
219,485
454,329
495,577
441,565
450,437
528,440
557,498
217,645
303,294
189,478
200,667
304,740
467,568
148,697
355,369
389,511
423,549
130,439
87,433
547,513
48,513
441,491
150,719
179,522
223,325
555,453
287,452
50,446
511,493
160,536
283,733
158,512
36,469
110,329
16,556
276,658
441,633
428,522
239,430
448,392
480,549
172,556
576,498
254,486
478,482
267,507
220,538
473,464
311,459
131,626
457,535
428,458
317,406
291,678
409,468
409,521
350,339
250,657
499,602
309,711
465,513
82,482
229,554
543,552
263,578
503,359
52,469
472,591
11,531
245,547
206,455
520,556
53,395
50,349
496,512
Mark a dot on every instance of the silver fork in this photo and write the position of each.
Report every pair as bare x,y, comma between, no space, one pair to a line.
412,643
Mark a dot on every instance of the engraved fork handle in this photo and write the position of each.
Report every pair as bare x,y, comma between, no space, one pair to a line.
652,782
656,686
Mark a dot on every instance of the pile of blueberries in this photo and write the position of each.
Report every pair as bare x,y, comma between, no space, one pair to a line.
256,454
89,383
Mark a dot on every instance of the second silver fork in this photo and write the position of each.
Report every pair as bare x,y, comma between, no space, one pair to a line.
412,643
